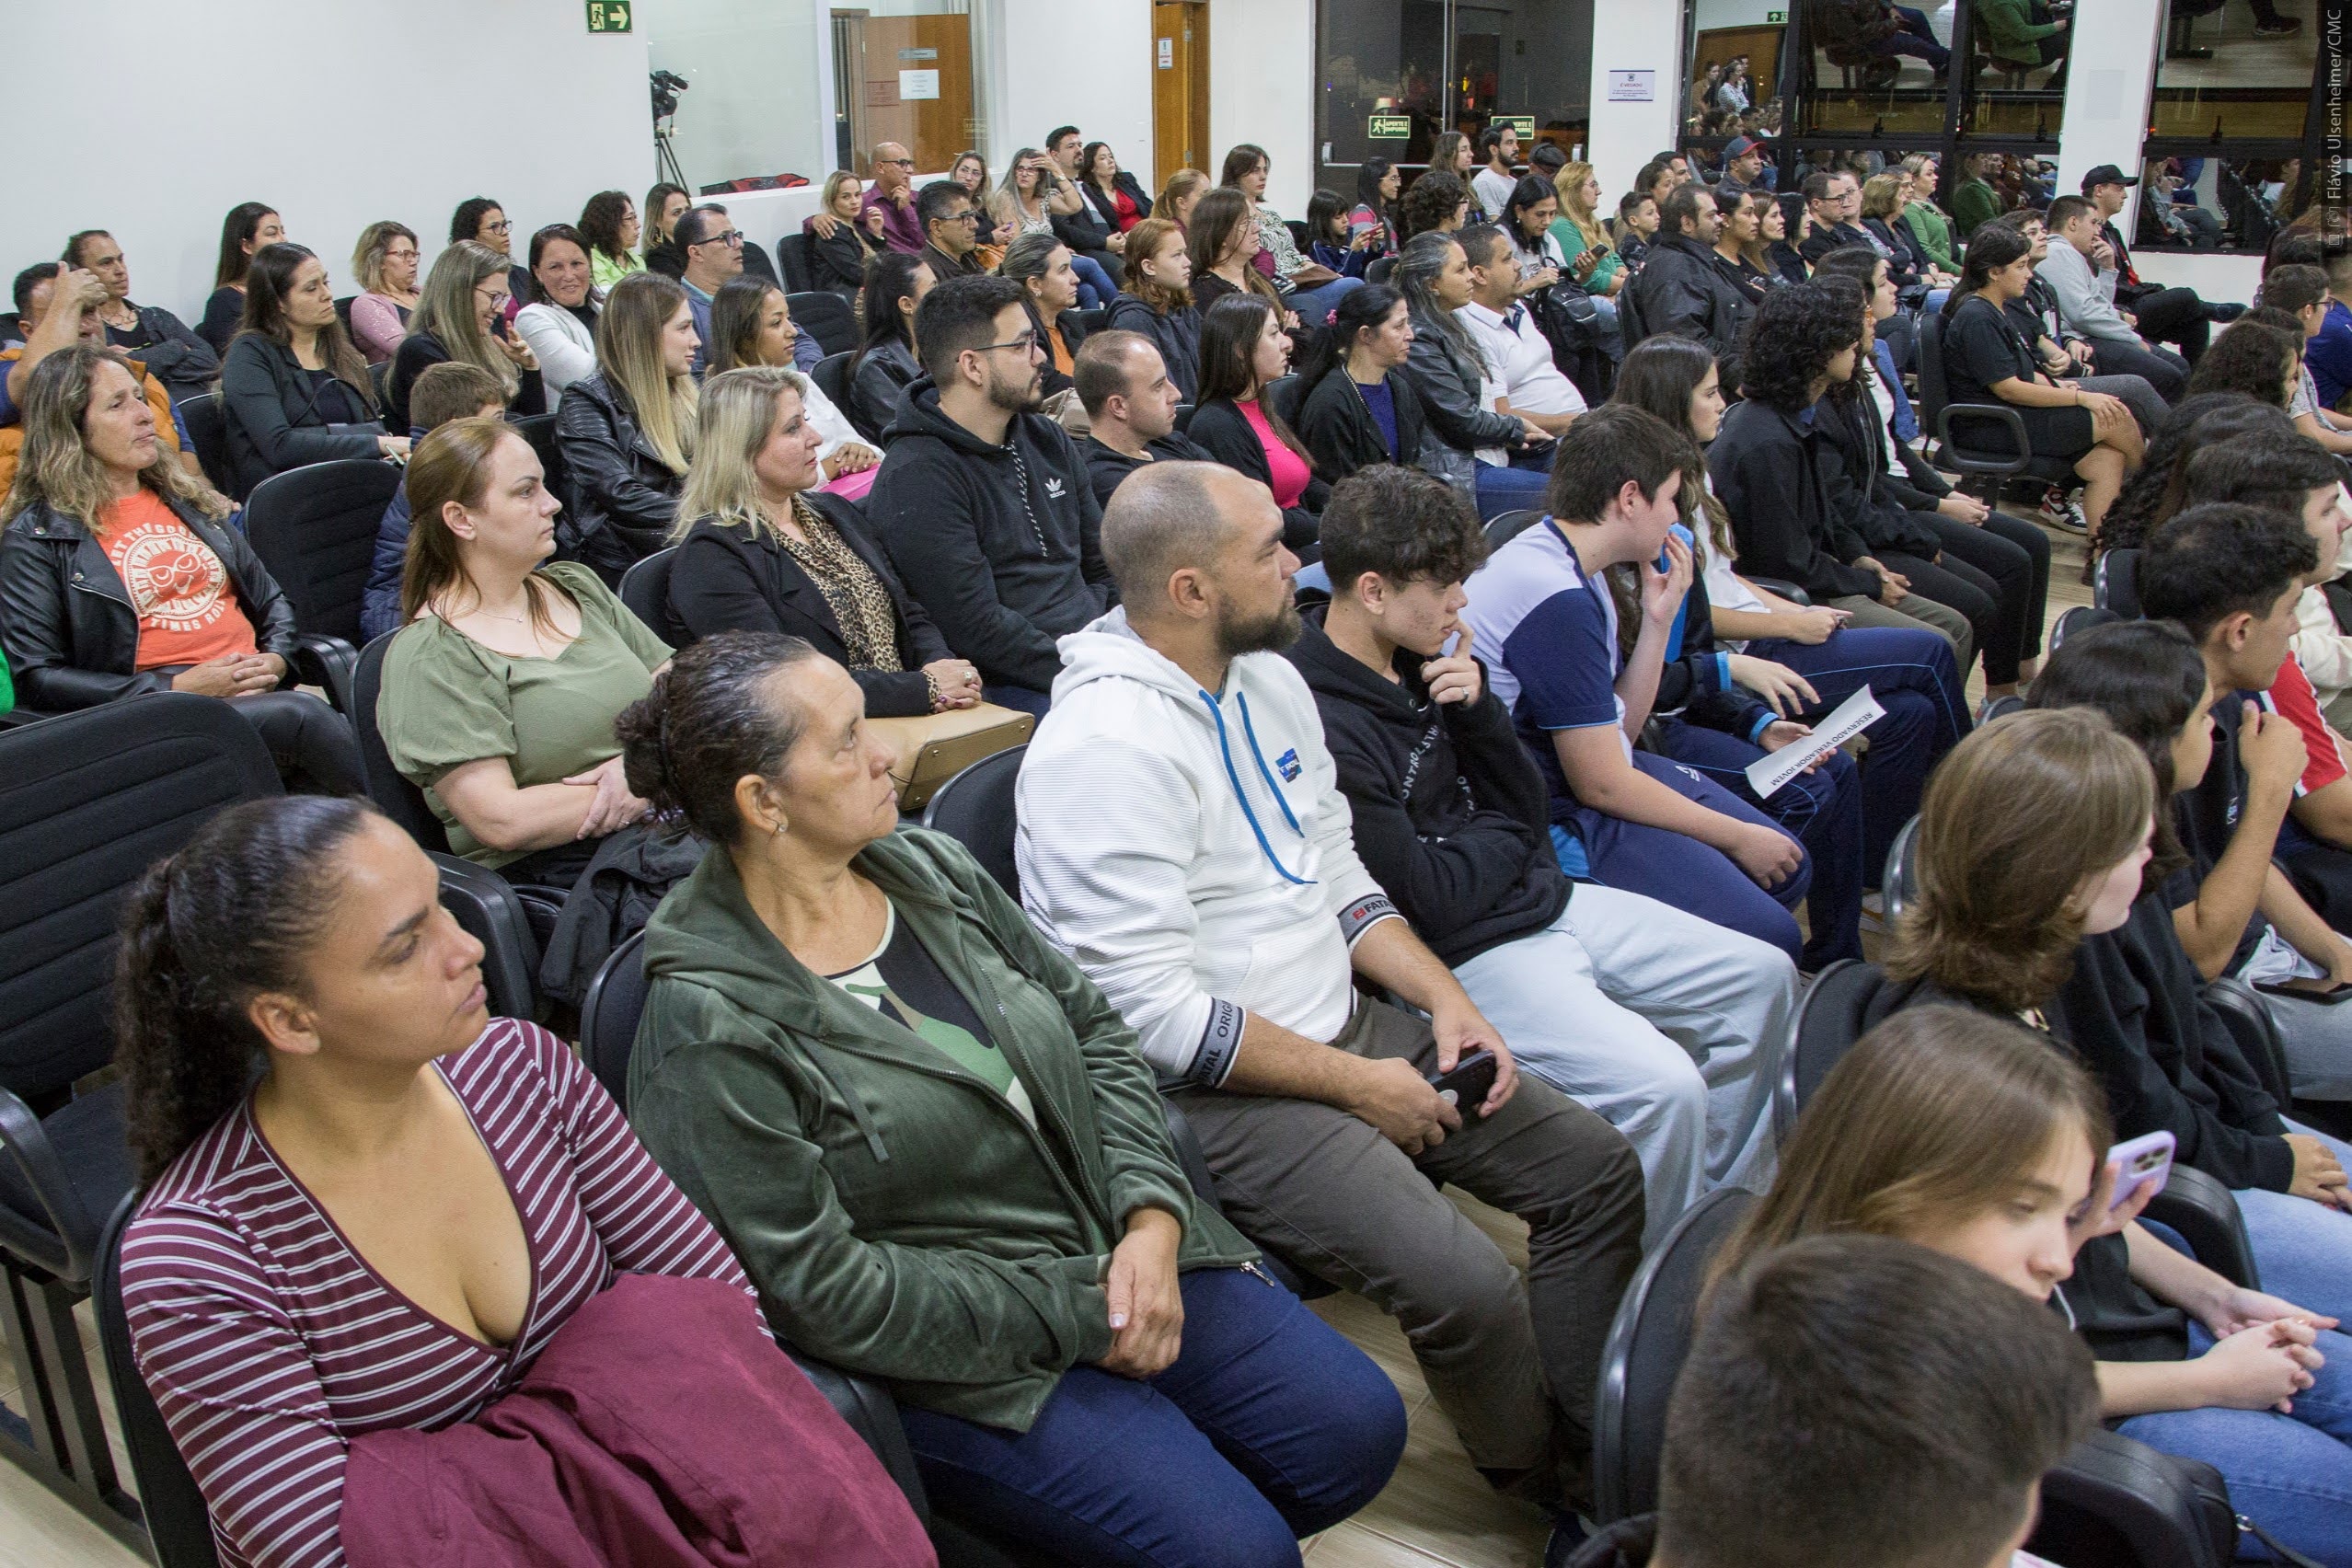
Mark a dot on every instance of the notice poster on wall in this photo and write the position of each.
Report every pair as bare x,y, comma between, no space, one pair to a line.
1633,86
915,85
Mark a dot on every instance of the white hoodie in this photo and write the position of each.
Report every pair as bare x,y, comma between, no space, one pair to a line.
1192,853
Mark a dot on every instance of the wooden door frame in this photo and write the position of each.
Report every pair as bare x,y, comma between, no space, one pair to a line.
1196,18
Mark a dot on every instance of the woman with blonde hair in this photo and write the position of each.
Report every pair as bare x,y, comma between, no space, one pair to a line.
1882,218
462,316
627,431
384,264
1175,200
839,246
1931,228
1969,1134
1581,233
500,689
760,549
751,324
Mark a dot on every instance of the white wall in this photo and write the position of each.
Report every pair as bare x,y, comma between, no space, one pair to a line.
761,76
1628,36
1082,63
2107,94
404,113
1260,65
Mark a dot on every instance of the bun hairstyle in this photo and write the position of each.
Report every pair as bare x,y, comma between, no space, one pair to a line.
204,932
708,721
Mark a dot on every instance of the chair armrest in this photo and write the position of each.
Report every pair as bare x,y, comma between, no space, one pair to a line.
1962,464
2162,1506
873,1415
492,914
2206,1215
2256,1035
327,662
24,1140
1189,1154
1788,591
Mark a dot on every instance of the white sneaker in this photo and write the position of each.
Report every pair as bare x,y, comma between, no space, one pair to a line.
2060,510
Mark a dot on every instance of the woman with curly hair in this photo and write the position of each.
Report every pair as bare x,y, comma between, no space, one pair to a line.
1777,476
610,222
2254,358
1437,201
2153,493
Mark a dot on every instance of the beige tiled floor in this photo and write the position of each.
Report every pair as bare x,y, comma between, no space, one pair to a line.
1435,1513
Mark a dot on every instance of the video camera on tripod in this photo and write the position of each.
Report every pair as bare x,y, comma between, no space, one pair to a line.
667,85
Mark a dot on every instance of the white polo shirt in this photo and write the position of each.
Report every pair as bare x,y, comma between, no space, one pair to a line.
1520,356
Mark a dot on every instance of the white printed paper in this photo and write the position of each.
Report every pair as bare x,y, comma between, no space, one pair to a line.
913,85
1849,719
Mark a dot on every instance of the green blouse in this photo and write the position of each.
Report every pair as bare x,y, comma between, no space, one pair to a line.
1933,234
448,700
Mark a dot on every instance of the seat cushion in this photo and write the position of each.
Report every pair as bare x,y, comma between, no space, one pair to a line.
88,1137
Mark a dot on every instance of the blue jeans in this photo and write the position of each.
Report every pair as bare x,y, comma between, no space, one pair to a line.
1527,483
1915,677
2303,1249
1268,1426
1095,287
1314,305
1915,37
1821,810
2291,1474
1676,869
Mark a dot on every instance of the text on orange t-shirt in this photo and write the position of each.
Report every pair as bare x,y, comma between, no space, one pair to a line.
188,613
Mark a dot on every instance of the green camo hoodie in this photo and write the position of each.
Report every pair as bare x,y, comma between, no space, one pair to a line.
900,1218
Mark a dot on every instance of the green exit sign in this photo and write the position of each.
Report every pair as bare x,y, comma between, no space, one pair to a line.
1776,15
1390,127
1523,124
608,15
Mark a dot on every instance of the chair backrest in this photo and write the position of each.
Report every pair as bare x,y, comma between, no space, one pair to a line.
379,376
1647,1346
792,260
393,794
756,263
207,424
645,589
1299,235
539,430
1508,525
975,809
315,527
2116,584
831,375
826,314
1378,273
1835,1012
2078,620
1900,884
608,1015
179,1525
1282,397
1090,321
1184,412
1631,328
1934,391
89,801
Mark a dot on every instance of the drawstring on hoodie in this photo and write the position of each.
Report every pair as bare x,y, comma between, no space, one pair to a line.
1234,774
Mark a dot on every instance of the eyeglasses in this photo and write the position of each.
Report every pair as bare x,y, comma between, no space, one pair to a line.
897,163
732,237
1026,343
497,227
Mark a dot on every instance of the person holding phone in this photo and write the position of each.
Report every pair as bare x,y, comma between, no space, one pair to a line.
1969,1134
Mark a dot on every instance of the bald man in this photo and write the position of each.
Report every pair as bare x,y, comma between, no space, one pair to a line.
1131,403
1183,838
893,195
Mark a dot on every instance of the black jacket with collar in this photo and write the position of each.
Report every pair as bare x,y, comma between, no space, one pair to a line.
1341,434
1107,210
881,377
729,578
1219,426
419,352
71,633
1107,466
1859,484
1908,267
1680,293
1177,333
1822,241
838,264
1001,544
1083,230
944,266
183,362
1772,472
1450,813
624,498
271,413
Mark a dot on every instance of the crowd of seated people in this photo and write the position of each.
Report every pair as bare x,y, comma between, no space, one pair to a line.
1295,849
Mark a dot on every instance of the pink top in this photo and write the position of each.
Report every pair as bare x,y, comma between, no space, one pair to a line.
268,1341
377,326
1289,471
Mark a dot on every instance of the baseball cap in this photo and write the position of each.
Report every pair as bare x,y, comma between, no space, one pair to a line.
2108,174
1740,146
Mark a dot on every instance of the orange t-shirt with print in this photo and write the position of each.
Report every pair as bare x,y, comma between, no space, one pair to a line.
187,612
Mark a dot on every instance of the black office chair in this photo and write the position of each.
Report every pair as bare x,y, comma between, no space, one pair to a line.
1090,321
792,260
608,1016
1282,397
314,528
1508,525
826,314
831,375
88,802
756,263
380,377
179,1528
1381,265
1299,234
2078,620
1184,412
1899,883
1987,467
975,809
2115,585
539,430
1832,1015
207,423
506,920
1631,327
645,589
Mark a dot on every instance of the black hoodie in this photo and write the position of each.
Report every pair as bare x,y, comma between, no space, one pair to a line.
1002,545
1450,815
1107,466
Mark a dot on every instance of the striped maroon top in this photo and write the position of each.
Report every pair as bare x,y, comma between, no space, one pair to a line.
269,1341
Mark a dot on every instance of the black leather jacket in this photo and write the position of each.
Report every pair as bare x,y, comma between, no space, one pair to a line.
272,414
624,497
66,620
1678,292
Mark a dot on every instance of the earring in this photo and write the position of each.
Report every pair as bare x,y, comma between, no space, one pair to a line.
781,825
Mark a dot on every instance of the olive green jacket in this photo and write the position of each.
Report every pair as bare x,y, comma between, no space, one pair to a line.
900,1218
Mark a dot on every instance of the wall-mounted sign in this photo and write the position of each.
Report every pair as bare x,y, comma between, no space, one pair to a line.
918,55
1389,127
1523,124
918,85
1168,55
1633,86
1776,15
608,15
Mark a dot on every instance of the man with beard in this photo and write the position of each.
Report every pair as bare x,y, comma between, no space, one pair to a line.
1181,835
982,502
